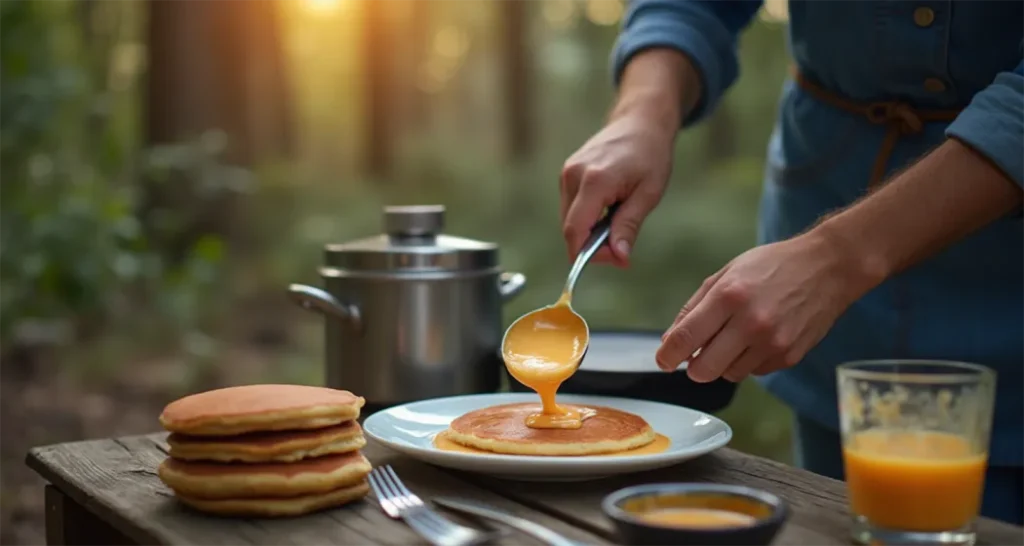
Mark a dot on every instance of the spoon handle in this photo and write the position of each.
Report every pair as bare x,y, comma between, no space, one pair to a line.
598,235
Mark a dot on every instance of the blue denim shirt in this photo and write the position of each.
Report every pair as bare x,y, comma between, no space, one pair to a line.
966,303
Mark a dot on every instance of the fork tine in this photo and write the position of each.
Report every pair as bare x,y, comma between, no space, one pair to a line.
401,486
383,495
390,498
407,501
432,528
396,493
440,522
372,478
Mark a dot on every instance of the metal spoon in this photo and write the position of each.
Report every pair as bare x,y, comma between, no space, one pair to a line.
598,235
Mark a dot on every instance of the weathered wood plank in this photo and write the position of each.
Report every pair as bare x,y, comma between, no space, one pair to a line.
116,480
429,481
819,507
69,524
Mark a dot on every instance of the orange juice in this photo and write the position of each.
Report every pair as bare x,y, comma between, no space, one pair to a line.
914,481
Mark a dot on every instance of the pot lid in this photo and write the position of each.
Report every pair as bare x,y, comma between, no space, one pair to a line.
412,241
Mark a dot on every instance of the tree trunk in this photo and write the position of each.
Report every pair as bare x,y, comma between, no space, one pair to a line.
518,81
212,66
182,72
417,28
378,87
218,65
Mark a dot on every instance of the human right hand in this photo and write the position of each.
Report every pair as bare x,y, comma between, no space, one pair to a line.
628,161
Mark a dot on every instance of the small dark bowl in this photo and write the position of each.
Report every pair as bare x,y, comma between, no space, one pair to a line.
621,364
625,507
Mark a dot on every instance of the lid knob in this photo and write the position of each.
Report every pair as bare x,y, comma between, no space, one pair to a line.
414,220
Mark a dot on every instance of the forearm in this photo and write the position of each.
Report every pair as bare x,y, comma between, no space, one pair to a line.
949,194
661,85
705,31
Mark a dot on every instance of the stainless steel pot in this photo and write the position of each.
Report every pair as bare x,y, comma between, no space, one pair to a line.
411,314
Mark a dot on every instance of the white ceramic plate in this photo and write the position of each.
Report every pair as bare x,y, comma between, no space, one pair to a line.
410,429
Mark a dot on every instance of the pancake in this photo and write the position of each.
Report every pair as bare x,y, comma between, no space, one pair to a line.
264,447
204,480
269,507
252,408
502,429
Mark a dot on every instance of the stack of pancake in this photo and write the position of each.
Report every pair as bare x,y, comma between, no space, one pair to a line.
265,450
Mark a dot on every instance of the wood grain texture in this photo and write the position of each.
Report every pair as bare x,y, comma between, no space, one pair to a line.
116,480
818,504
69,524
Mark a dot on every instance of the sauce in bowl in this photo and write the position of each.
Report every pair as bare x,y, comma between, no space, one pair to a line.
697,518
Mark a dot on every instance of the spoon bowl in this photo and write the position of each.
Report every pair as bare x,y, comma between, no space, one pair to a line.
539,318
561,312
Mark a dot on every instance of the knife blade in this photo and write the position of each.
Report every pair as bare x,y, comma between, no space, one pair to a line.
537,531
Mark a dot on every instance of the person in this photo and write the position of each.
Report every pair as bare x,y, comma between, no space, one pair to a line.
890,222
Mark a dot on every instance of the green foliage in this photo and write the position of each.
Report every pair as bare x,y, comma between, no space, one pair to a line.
74,250
83,243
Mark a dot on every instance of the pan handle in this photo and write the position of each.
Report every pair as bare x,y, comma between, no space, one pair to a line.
315,299
511,284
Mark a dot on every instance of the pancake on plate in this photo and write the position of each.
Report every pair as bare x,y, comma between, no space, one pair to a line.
502,429
252,408
264,447
283,507
203,480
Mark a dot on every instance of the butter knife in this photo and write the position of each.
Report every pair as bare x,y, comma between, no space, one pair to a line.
539,532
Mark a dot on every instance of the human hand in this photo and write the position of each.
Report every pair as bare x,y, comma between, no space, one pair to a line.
763,311
627,161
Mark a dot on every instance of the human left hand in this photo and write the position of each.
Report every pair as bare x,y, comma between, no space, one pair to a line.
762,312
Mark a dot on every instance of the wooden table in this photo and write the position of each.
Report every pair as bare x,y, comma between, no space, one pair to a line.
108,492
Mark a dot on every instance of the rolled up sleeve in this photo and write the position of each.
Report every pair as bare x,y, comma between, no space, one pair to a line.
706,31
993,123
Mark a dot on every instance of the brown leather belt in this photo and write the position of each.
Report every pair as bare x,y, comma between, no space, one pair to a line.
899,118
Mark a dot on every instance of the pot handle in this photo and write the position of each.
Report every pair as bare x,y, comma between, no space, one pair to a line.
315,299
510,285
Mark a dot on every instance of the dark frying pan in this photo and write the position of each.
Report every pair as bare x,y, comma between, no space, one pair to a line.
621,363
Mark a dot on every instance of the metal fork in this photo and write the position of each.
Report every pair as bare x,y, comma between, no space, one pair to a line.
399,503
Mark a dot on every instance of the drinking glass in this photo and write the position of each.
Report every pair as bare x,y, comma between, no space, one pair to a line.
915,447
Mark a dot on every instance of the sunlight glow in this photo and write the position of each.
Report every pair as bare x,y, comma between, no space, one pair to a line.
449,48
321,6
604,12
559,14
451,42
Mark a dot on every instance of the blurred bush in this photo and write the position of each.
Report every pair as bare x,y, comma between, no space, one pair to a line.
84,251
75,253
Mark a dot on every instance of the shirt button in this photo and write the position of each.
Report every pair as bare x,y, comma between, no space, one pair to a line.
924,17
934,85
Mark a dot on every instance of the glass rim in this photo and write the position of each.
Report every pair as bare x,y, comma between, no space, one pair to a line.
968,372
